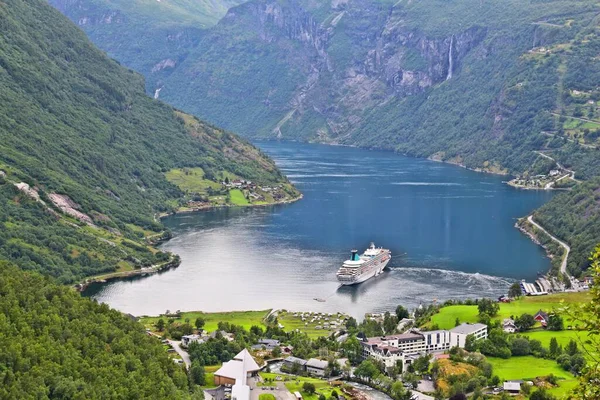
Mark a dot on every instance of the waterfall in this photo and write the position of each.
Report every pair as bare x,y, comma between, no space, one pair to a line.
450,60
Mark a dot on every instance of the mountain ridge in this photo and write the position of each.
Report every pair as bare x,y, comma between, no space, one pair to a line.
85,153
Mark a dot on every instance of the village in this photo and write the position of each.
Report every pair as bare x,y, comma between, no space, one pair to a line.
419,353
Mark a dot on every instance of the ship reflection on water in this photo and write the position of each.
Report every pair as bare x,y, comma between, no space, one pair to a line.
354,292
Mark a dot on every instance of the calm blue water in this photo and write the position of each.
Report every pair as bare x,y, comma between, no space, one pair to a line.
451,232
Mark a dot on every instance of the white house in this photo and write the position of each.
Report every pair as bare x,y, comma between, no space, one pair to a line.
508,326
186,340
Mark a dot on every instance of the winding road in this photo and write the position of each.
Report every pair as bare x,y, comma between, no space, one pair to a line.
563,265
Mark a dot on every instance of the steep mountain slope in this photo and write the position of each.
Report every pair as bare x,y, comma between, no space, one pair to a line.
56,345
482,84
84,152
144,30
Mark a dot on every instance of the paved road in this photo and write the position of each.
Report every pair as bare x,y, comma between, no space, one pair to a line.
182,353
563,265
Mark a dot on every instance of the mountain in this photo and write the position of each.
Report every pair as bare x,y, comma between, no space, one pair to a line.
54,344
87,159
494,86
442,79
144,30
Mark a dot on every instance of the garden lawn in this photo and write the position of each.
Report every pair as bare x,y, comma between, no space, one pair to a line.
243,318
322,387
237,197
294,384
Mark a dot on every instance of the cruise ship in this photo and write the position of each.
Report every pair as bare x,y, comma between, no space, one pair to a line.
359,268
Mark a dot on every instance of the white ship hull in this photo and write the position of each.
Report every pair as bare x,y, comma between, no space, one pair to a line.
366,276
361,268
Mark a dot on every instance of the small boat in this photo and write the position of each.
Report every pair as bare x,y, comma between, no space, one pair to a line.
320,300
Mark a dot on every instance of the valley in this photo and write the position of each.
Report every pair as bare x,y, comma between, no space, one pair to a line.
486,85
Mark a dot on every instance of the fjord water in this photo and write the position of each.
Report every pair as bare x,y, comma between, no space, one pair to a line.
451,232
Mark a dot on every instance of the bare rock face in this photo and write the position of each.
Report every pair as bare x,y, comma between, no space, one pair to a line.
385,59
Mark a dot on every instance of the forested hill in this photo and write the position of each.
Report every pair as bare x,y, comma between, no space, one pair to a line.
485,84
84,152
56,345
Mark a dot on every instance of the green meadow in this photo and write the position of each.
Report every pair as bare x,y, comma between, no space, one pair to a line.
244,318
529,368
446,318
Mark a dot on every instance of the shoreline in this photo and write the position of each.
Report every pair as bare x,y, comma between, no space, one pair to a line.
213,207
175,260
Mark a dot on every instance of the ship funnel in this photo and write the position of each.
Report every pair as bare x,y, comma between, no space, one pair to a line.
354,256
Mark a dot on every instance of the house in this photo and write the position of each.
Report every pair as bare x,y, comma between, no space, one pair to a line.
186,340
512,387
226,335
316,367
242,365
268,344
292,362
508,326
542,318
458,334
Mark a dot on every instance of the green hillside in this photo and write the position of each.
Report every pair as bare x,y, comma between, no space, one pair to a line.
55,344
90,152
477,83
575,217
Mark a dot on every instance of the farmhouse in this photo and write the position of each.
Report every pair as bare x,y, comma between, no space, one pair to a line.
508,326
542,318
512,387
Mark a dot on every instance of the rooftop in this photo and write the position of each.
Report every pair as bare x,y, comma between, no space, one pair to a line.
241,364
295,360
467,329
401,338
316,363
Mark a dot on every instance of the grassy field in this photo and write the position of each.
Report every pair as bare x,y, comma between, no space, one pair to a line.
529,368
446,318
237,197
294,384
243,318
562,337
291,322
191,180
266,396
